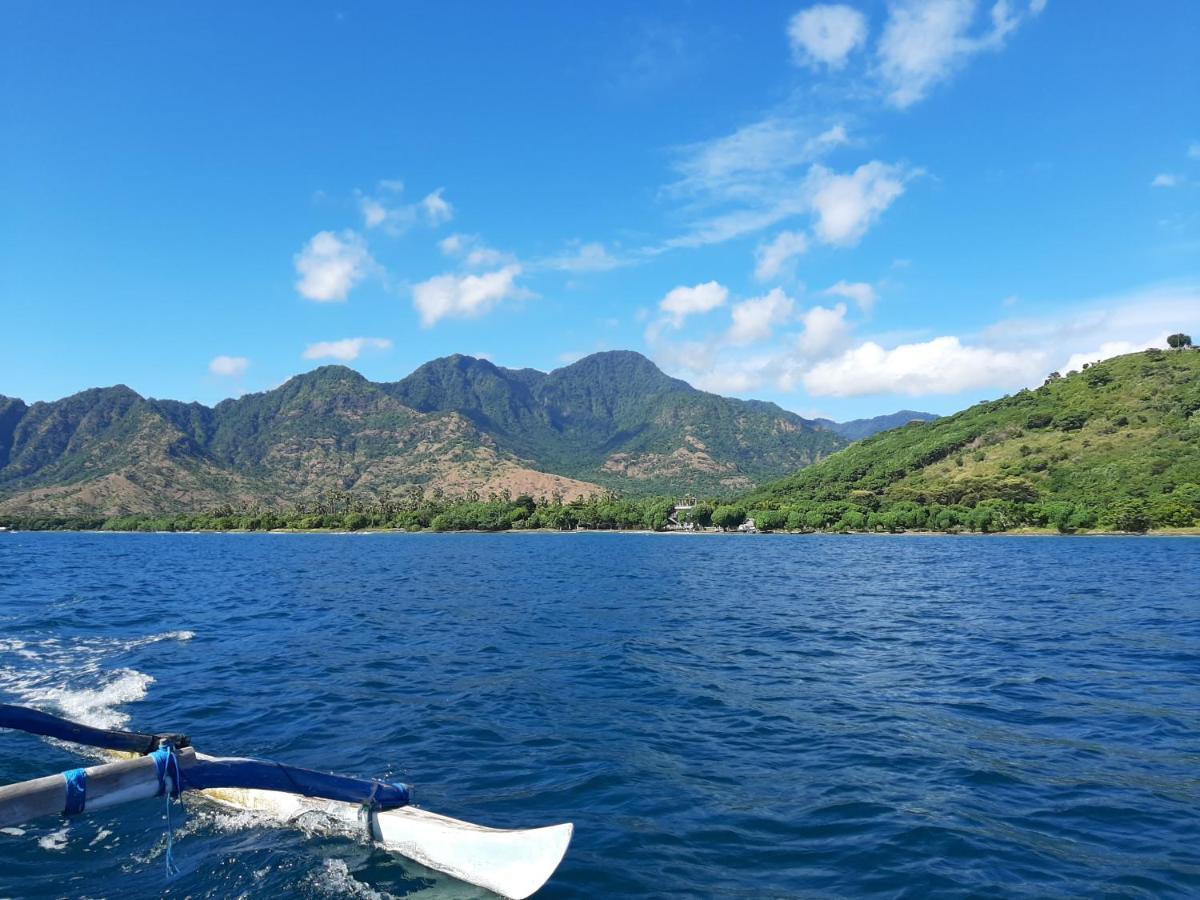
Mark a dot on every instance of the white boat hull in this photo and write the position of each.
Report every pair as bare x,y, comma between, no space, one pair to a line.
512,863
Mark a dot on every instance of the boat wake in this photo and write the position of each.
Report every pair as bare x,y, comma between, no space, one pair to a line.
77,678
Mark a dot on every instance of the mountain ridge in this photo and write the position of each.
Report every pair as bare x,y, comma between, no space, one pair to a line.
609,421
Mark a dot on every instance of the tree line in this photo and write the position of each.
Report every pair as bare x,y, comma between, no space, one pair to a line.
415,509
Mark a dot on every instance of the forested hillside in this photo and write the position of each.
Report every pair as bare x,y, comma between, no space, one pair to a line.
1116,445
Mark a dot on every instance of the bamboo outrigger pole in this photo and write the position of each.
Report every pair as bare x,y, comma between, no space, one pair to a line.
108,785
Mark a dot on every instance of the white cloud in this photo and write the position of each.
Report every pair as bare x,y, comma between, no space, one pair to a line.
826,34
588,257
228,366
1193,150
721,166
465,296
859,291
1012,353
847,205
384,209
772,257
1157,309
1109,349
940,366
374,212
749,180
394,219
437,210
474,253
752,179
1166,180
347,349
926,41
331,264
824,330
755,319
682,302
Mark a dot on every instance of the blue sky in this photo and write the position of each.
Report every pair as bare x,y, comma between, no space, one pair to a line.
846,209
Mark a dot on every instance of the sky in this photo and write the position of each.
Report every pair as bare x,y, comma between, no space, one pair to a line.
845,209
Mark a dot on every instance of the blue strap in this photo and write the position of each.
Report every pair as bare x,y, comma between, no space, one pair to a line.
167,763
76,791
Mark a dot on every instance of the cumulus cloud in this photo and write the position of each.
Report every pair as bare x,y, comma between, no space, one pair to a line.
847,205
346,349
755,319
330,265
926,41
682,301
228,366
1166,180
940,366
826,34
774,256
1013,353
859,291
465,296
824,330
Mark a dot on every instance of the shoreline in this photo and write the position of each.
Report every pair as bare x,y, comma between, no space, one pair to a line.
1193,531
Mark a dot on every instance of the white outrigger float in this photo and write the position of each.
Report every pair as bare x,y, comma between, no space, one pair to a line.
511,863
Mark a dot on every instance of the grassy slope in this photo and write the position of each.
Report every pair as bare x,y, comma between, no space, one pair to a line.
1126,428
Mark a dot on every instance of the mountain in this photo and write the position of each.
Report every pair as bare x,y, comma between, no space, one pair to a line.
458,424
857,429
615,419
1117,443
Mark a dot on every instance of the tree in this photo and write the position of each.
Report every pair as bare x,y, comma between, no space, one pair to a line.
1179,341
726,517
1130,515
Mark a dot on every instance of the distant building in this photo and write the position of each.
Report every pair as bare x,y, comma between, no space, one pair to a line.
684,506
748,527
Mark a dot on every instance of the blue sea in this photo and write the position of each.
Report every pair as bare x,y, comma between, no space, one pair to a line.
720,716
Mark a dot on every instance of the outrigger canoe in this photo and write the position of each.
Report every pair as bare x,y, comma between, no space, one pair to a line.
513,863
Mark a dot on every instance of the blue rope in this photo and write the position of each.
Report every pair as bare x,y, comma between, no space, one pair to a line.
76,791
167,763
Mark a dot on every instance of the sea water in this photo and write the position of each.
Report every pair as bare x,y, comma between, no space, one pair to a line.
720,716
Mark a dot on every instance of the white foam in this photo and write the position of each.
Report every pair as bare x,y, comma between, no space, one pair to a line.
55,840
333,879
73,678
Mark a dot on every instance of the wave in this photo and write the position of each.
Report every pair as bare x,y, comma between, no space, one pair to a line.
75,678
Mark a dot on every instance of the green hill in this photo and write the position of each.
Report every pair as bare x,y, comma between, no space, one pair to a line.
1114,446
